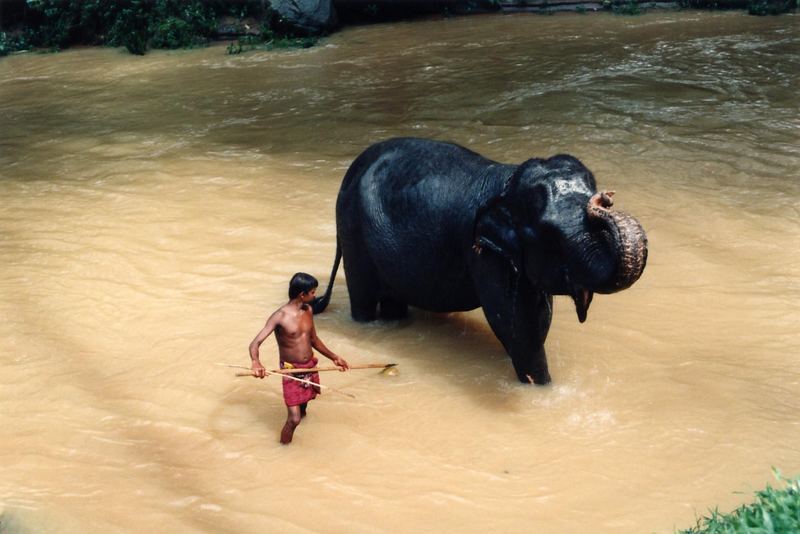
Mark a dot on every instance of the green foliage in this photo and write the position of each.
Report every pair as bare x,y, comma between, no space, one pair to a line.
141,24
131,28
251,42
242,44
771,7
371,10
59,18
275,34
239,8
628,7
172,32
775,511
181,23
713,4
10,43
292,42
5,44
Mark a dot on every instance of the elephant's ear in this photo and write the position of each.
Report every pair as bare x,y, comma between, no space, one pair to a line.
494,232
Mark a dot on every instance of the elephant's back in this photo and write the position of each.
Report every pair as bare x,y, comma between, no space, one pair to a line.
434,179
411,203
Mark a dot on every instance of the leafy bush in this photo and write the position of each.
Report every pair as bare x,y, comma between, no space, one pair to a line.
292,42
12,43
172,32
134,24
628,7
58,18
181,23
771,7
269,41
275,33
776,510
713,4
754,7
5,44
130,29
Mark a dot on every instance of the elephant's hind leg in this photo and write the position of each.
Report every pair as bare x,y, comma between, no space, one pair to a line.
362,285
363,299
392,309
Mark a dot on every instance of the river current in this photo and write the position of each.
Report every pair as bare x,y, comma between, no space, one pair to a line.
153,209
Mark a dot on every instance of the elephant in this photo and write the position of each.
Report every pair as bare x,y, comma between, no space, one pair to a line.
434,225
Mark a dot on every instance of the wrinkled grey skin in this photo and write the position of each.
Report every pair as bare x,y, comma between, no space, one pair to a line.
436,226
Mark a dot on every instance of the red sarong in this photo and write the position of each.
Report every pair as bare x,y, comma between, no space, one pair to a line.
296,393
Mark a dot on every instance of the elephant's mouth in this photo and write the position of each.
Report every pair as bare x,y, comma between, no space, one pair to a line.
582,298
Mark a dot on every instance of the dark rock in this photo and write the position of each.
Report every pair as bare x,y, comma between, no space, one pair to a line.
309,17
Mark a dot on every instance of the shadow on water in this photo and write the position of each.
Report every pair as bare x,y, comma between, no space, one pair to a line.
480,380
475,362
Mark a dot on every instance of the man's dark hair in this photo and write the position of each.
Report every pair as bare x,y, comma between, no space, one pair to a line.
301,283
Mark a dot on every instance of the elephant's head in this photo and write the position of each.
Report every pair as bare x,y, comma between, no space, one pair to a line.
552,225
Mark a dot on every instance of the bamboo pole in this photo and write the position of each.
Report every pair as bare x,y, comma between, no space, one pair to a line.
333,368
319,369
290,377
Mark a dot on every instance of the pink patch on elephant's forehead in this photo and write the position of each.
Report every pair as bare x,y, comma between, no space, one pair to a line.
564,187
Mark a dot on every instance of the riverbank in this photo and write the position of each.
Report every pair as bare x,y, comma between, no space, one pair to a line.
774,510
636,7
171,24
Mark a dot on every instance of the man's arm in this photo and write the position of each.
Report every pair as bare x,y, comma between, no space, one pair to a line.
317,343
269,327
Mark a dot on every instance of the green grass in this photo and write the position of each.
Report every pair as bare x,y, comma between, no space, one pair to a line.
775,511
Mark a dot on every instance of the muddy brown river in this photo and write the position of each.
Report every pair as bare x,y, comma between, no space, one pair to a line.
152,210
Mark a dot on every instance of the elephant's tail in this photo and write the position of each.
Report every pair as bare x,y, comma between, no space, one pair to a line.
320,303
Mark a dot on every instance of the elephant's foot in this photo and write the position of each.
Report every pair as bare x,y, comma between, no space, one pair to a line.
540,379
363,316
391,309
363,308
533,370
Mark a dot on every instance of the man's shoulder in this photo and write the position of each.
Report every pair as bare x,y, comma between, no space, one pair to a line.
279,314
288,313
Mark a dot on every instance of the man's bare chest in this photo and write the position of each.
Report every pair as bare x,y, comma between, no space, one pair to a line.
295,328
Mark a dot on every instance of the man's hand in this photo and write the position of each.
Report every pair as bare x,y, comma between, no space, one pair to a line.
341,363
258,369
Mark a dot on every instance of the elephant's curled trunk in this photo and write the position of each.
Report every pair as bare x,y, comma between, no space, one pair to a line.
626,234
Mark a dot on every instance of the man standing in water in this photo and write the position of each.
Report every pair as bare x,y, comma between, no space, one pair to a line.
293,324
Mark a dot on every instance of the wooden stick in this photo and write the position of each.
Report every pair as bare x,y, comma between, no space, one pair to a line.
318,369
333,368
290,377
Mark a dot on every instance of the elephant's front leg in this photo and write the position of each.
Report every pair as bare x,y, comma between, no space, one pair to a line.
518,314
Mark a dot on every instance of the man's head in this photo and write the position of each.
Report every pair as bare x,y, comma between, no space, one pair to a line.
301,283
